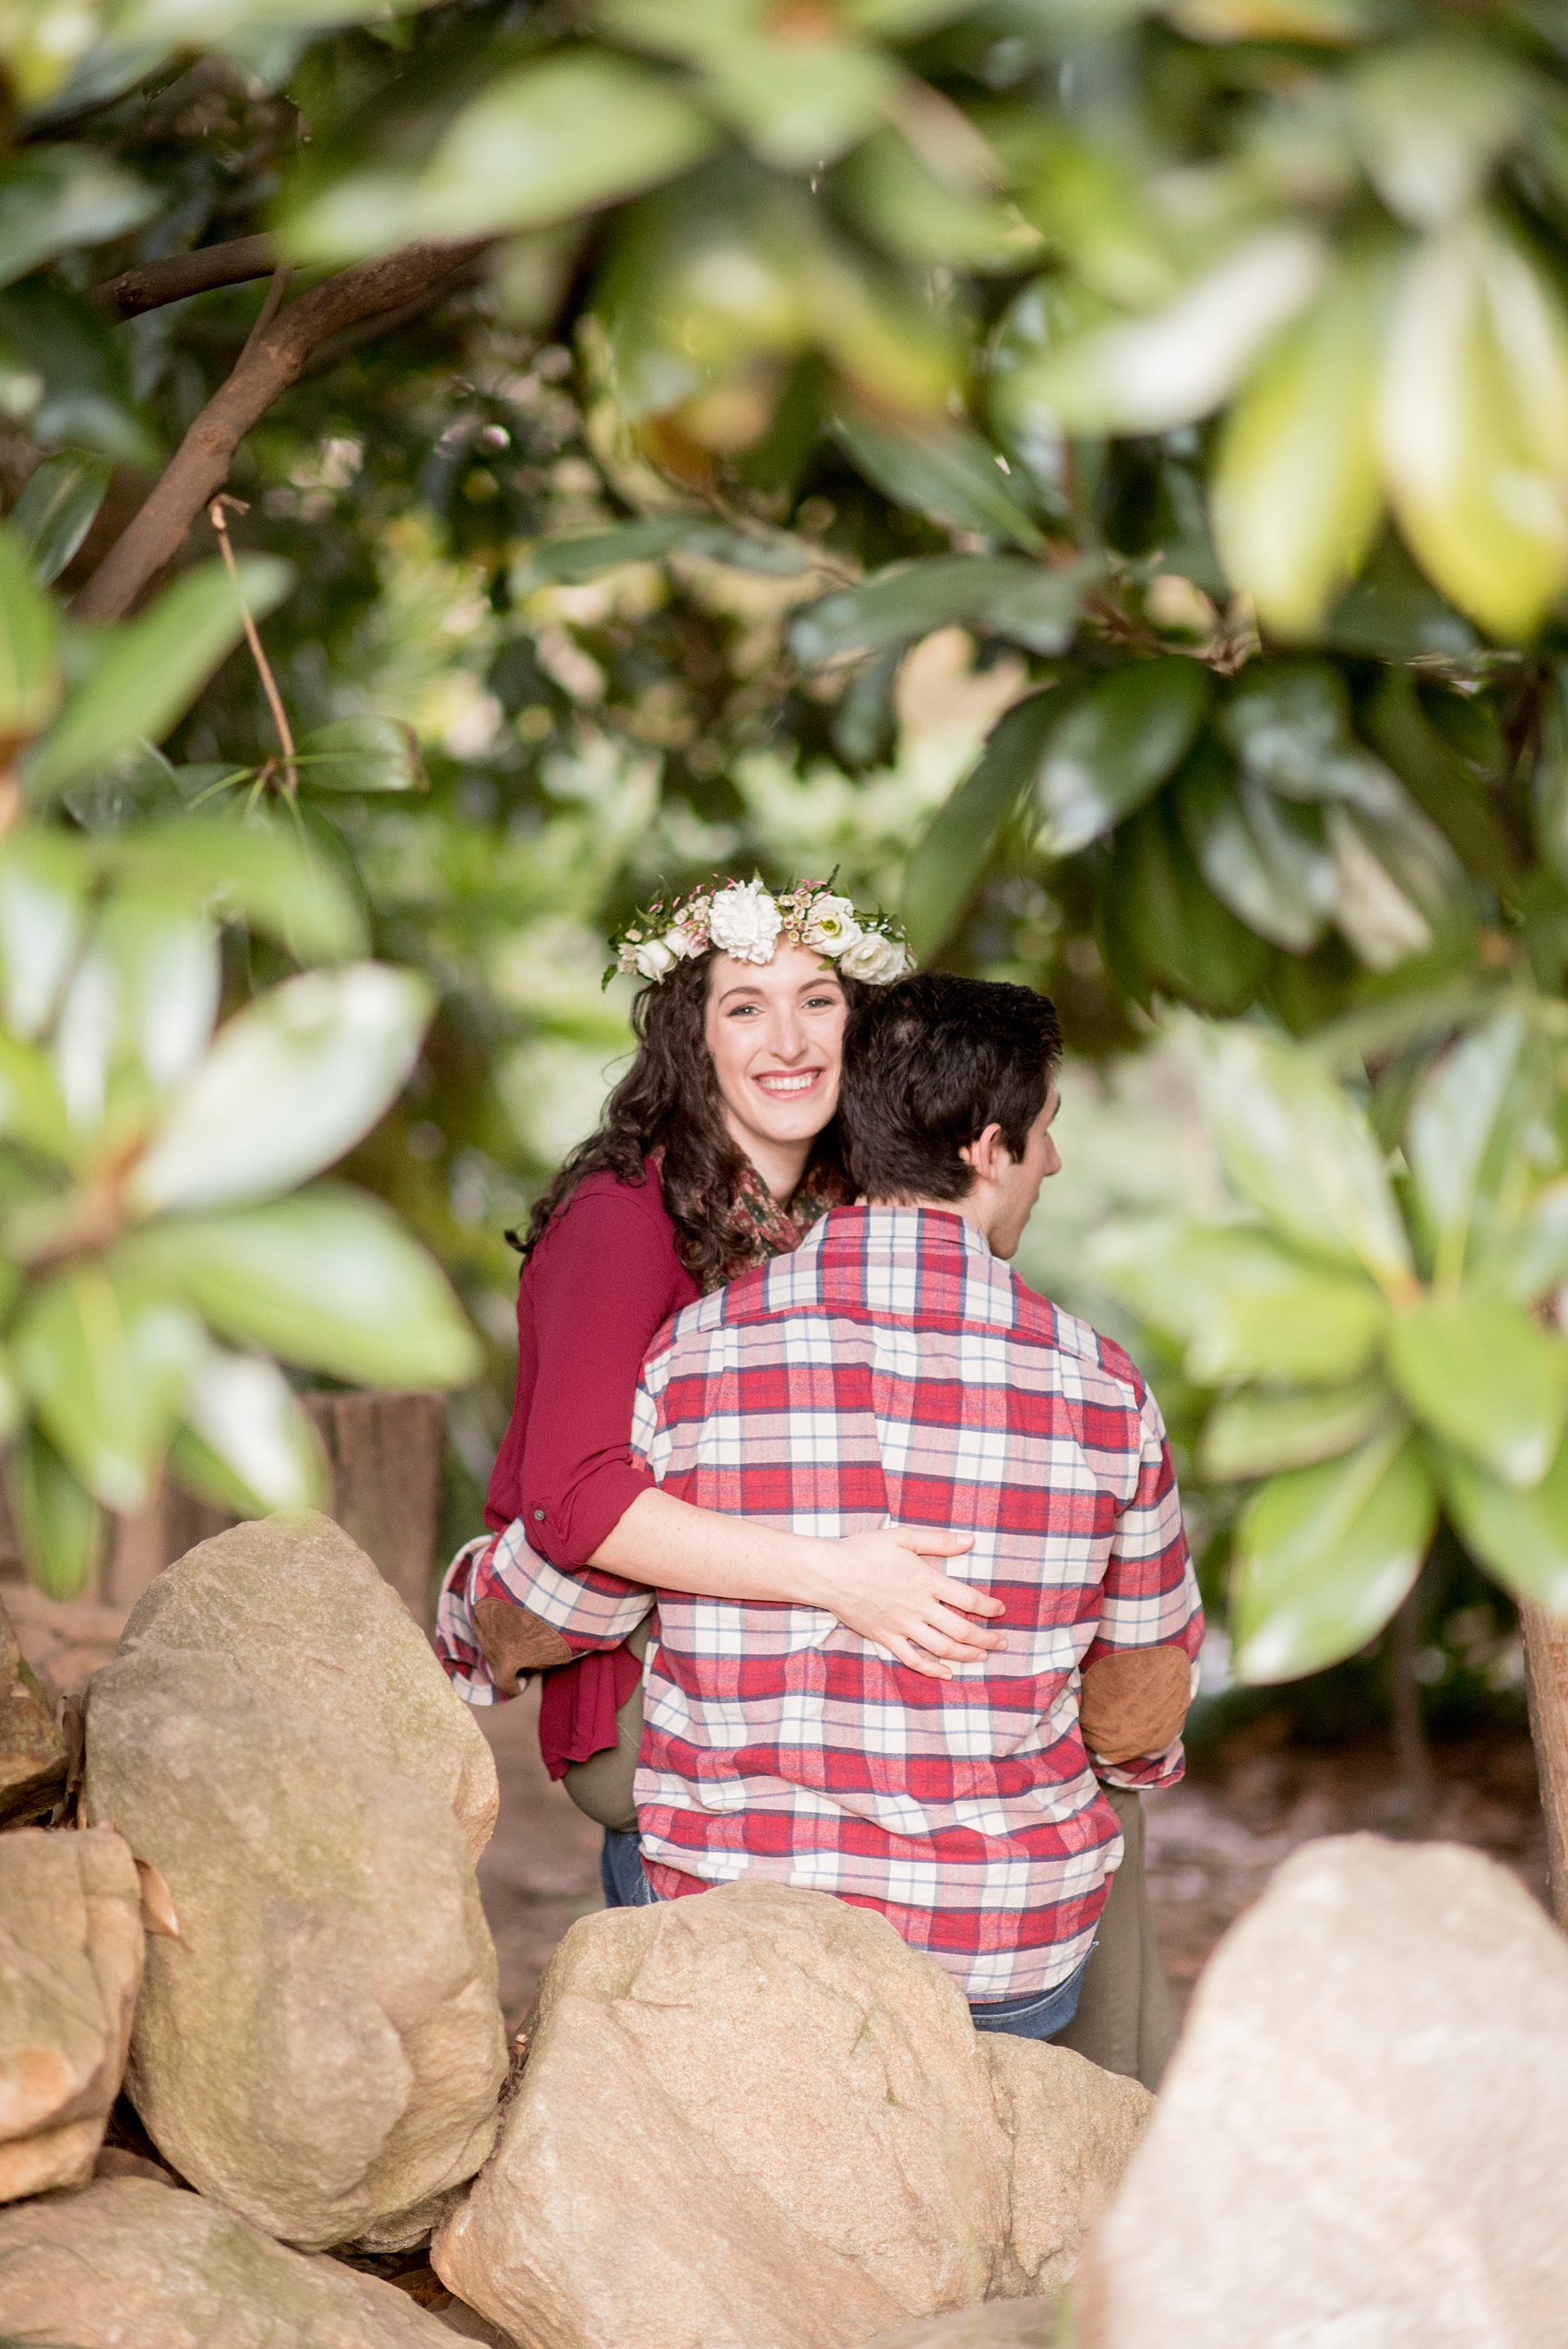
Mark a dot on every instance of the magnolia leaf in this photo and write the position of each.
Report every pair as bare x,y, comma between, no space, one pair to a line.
1151,375
1258,1435
1451,1124
1324,1556
44,888
272,876
939,469
105,1366
1473,426
1430,118
1485,1377
1295,497
30,682
1113,748
58,200
1265,861
1242,1305
329,1280
948,864
150,670
799,103
290,1083
58,508
588,554
60,1527
158,1912
364,753
1295,1145
1165,929
244,1415
1532,1258
1522,1537
996,595
79,394
1440,781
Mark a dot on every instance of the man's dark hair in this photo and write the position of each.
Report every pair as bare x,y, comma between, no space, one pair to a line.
929,1064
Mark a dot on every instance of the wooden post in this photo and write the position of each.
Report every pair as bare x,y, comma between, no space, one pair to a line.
386,1455
1546,1686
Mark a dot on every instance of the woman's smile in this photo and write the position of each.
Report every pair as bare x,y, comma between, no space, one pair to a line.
787,1084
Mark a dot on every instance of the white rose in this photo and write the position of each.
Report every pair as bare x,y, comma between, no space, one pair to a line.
876,959
745,922
653,958
831,925
679,942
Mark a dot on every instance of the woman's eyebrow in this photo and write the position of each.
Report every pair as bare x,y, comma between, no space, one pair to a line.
741,988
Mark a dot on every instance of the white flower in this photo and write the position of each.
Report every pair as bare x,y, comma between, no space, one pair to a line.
745,922
679,942
876,959
831,925
653,958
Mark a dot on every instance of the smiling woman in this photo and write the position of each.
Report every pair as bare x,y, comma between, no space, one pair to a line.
718,1150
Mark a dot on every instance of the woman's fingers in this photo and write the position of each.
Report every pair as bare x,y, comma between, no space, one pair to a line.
926,1540
967,1596
917,1661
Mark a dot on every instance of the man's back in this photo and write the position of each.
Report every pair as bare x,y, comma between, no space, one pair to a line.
893,1367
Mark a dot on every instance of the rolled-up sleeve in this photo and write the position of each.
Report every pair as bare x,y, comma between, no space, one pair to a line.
1150,1595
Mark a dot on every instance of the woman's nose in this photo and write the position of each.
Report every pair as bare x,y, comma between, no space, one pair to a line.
785,1033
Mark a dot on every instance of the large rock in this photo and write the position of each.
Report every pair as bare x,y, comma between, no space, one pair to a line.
70,1965
32,1751
321,2047
130,2265
757,2117
1363,2138
999,2324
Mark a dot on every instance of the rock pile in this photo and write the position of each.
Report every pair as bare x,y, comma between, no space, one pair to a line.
1364,2133
758,2117
321,2046
32,1751
70,1967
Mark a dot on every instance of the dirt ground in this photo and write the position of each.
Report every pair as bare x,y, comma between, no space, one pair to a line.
1213,1842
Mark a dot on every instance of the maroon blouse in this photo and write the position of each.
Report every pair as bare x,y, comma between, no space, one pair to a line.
594,1294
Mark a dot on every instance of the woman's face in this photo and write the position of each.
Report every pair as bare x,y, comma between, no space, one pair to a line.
776,1032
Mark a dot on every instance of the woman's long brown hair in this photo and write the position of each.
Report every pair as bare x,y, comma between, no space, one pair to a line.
668,1099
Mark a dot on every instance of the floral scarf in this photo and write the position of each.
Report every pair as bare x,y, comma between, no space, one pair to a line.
771,1230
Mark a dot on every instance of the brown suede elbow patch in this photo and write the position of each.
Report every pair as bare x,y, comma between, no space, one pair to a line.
514,1642
1134,1703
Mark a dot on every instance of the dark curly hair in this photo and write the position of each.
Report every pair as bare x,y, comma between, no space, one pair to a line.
668,1099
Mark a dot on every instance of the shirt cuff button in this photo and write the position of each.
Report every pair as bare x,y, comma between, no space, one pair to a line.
539,1517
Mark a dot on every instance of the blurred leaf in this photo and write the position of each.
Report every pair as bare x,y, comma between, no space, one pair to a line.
273,878
799,103
1292,1142
1160,917
363,754
943,470
998,595
1258,1435
57,509
43,892
1113,748
1439,780
541,143
1432,118
105,1366
247,1421
83,388
1265,861
566,562
1295,494
1241,1305
151,669
1451,1124
60,1527
1532,1257
1473,426
905,208
946,865
290,1083
1325,1555
29,649
1048,313
328,1279
1521,1536
1087,195
1485,1377
58,200
1151,375
1394,613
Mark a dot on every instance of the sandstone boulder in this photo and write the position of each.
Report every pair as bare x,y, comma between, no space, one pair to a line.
999,2324
70,1965
32,1751
758,2117
321,2047
1363,2135
128,2265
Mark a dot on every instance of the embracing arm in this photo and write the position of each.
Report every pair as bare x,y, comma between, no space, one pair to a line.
1138,1672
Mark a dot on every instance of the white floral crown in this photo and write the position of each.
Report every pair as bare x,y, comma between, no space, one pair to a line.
747,920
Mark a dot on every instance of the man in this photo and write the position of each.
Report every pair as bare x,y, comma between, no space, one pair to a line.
892,1368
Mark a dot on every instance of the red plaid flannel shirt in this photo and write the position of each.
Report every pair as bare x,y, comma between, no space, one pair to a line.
892,1368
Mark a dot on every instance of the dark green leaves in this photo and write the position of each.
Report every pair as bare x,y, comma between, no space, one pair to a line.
943,470
58,508
947,864
364,753
55,198
1114,747
1032,603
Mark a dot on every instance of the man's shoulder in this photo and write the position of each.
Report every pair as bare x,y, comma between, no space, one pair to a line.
1096,1356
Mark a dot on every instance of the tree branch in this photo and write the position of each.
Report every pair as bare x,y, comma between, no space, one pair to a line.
157,282
271,361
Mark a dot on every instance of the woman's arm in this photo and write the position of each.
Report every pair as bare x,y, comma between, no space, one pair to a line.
877,1584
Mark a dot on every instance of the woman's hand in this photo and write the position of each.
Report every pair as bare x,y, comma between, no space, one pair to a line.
880,1586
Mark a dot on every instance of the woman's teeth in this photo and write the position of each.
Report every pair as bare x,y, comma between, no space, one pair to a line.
802,1084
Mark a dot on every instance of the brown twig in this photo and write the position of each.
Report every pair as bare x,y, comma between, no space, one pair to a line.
219,518
154,283
272,360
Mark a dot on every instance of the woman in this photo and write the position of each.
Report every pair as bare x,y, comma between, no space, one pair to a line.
716,1150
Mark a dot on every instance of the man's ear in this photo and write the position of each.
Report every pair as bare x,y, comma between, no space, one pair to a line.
987,1154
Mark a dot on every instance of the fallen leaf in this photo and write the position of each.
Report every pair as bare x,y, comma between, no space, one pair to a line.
158,1912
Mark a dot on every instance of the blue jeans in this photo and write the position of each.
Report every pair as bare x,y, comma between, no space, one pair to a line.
625,1883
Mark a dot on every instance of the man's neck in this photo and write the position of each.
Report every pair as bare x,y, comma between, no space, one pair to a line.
966,1209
